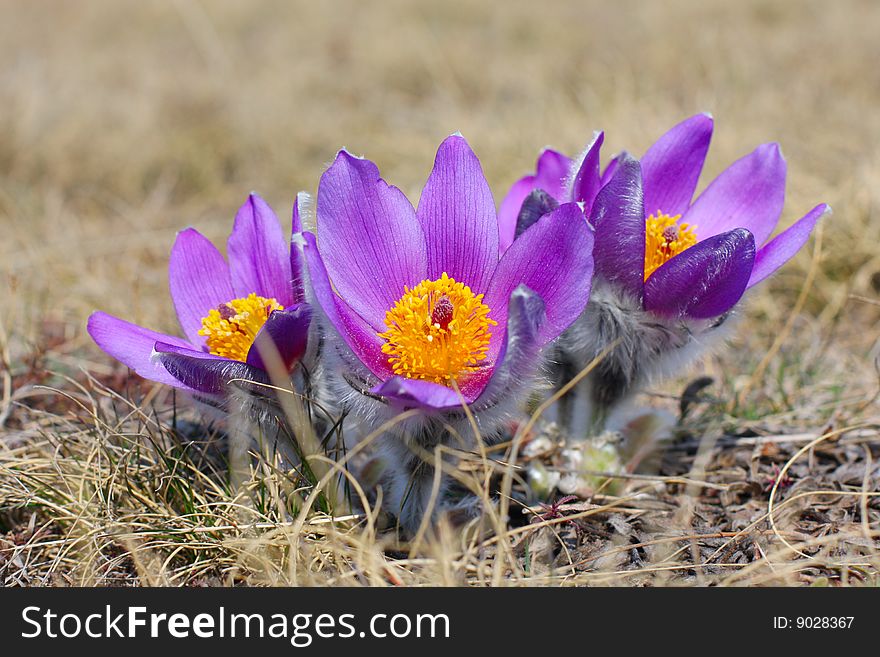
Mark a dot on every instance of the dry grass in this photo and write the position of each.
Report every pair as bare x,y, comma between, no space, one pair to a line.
124,122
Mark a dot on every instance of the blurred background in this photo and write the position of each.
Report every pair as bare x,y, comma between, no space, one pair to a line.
122,122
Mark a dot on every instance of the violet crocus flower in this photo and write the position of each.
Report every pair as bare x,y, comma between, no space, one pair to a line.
233,315
429,314
694,259
669,270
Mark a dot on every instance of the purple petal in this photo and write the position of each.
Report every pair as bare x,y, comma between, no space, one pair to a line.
132,345
535,206
204,372
554,259
610,170
371,240
705,280
259,256
403,393
199,280
672,166
619,219
749,194
551,171
457,214
296,271
286,331
782,247
508,211
519,358
586,182
363,340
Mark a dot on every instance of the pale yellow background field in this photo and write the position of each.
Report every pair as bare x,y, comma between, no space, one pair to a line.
122,122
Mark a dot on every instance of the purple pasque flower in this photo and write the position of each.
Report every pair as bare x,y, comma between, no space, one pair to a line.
694,259
233,314
645,218
669,270
428,310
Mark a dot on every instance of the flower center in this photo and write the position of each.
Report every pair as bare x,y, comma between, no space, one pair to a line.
437,331
664,239
231,328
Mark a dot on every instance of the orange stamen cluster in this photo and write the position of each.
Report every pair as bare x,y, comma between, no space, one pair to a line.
437,331
231,328
665,238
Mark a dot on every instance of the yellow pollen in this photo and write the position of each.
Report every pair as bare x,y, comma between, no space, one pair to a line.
437,331
664,239
231,328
